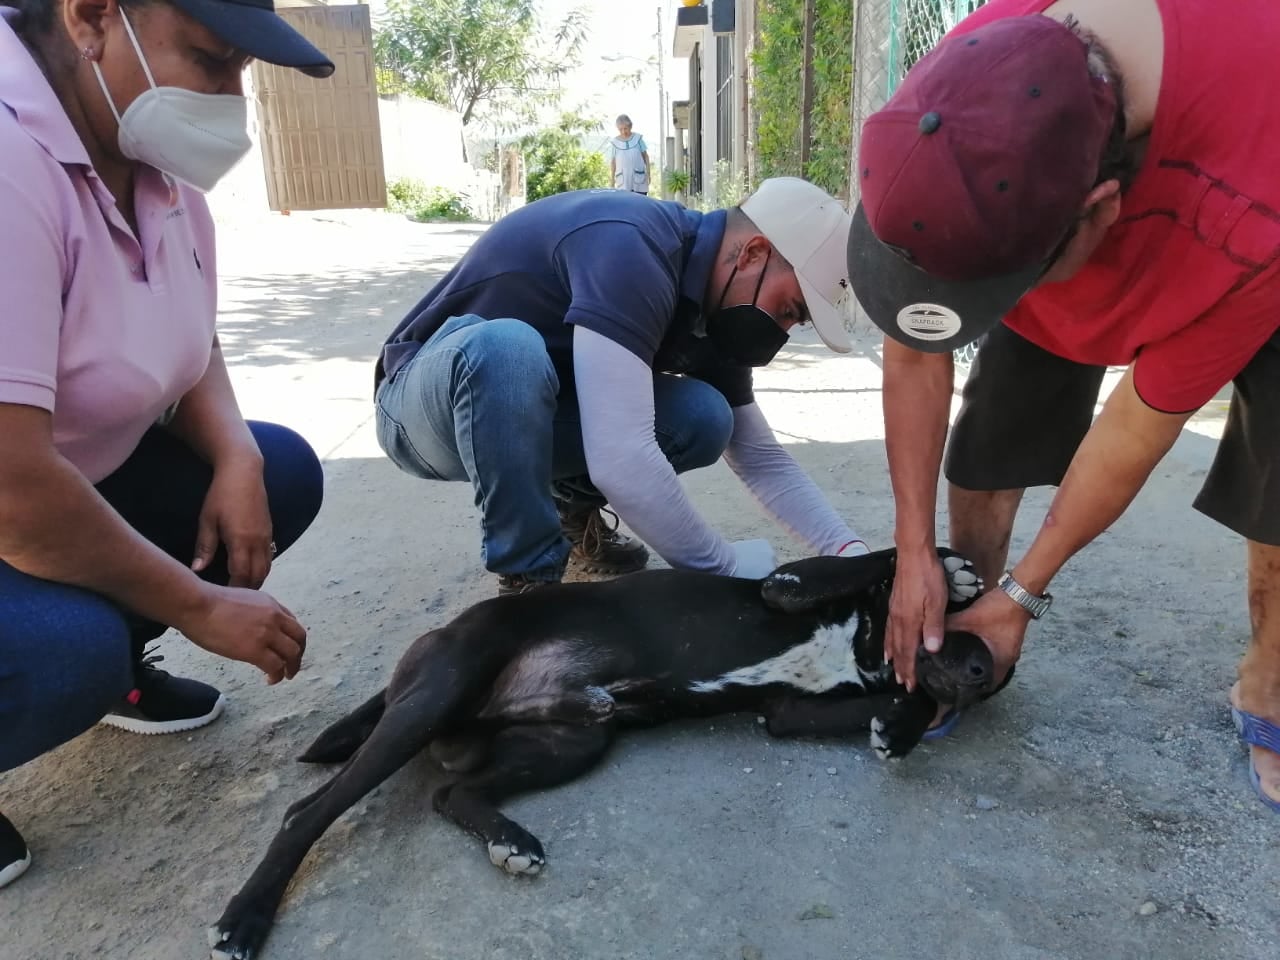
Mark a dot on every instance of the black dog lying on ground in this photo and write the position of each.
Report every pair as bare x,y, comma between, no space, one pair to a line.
525,692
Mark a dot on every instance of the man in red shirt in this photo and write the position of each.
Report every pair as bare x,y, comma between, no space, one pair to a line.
1086,183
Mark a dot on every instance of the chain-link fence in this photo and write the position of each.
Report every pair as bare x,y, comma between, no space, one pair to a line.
888,37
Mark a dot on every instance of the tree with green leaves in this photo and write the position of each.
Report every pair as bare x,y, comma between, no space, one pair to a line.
556,160
490,60
779,60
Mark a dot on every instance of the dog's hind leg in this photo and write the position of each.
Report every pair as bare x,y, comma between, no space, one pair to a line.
469,752
524,758
406,727
340,740
461,753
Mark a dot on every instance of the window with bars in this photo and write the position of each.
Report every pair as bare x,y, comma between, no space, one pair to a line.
724,97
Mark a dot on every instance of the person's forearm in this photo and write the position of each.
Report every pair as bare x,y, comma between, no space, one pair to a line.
615,395
1114,461
54,525
917,404
781,486
209,419
649,497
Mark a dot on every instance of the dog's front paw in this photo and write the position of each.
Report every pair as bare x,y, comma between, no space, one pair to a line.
963,582
899,731
239,934
519,856
881,743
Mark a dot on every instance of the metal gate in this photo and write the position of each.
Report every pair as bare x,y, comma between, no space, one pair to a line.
321,141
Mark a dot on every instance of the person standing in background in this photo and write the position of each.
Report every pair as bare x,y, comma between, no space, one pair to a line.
629,159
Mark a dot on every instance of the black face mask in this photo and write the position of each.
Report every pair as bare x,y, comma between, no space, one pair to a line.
745,334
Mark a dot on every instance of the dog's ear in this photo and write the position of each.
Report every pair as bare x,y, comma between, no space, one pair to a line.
807,585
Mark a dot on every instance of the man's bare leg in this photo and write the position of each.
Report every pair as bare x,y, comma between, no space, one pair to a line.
981,523
1258,689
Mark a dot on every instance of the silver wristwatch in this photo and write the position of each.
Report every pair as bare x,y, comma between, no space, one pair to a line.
1028,601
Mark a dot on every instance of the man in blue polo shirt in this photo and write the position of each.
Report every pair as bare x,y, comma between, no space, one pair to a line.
593,345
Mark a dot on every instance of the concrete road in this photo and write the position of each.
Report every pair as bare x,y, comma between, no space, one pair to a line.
1097,809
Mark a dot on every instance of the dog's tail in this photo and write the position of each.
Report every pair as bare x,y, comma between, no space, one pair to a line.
339,741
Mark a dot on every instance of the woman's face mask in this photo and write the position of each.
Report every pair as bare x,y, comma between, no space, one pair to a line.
194,137
745,334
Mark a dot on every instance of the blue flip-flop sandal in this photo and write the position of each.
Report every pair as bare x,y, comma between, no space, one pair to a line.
945,726
1257,732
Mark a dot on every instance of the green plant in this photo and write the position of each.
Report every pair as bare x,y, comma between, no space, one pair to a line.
557,162
441,203
729,188
675,181
419,201
405,195
831,135
779,70
778,58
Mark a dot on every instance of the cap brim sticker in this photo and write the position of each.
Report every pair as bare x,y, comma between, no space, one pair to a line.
929,321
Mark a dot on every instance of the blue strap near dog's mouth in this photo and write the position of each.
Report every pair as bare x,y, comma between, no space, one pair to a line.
945,727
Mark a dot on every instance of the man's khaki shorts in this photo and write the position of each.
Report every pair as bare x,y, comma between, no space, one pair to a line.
1025,411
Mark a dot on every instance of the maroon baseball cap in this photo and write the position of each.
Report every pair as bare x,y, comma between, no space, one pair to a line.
971,176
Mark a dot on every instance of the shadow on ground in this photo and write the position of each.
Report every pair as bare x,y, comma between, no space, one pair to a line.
1098,808
1103,786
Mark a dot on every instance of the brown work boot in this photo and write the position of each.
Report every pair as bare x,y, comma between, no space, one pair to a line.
598,547
509,584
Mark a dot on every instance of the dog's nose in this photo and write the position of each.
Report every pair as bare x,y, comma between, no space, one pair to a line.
979,669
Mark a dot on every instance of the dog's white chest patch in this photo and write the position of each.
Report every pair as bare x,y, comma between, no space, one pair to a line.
821,663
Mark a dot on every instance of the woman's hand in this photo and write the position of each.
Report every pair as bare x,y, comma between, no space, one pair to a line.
250,626
235,513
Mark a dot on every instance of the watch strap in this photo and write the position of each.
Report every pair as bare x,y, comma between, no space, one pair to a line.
1036,606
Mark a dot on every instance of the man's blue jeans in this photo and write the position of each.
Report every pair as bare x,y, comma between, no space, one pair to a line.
67,654
480,401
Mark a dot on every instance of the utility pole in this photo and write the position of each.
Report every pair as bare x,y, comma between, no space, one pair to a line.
662,117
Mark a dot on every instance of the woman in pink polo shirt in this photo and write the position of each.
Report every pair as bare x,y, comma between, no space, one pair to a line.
133,495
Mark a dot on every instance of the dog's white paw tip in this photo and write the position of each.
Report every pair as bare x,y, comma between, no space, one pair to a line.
216,937
878,743
513,861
